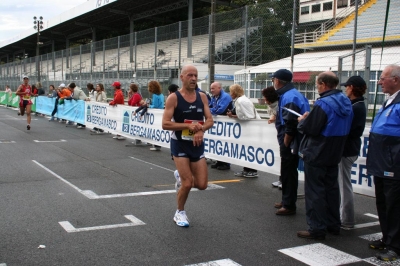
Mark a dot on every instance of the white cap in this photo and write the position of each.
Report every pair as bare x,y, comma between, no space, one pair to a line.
25,77
62,85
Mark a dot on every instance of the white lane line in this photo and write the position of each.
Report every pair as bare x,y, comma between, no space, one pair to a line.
372,237
375,261
92,195
6,141
371,215
46,141
59,177
151,164
223,262
319,255
3,264
71,229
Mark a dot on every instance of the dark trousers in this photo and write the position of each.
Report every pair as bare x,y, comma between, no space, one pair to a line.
289,177
322,197
387,192
55,107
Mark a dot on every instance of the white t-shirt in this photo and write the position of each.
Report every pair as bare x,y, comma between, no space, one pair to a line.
245,109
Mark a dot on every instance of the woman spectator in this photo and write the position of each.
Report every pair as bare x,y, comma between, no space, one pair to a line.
91,91
157,102
134,97
243,109
100,93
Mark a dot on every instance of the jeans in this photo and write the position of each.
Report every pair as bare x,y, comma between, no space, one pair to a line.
346,191
289,177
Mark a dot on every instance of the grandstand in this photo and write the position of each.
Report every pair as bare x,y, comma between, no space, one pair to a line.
370,27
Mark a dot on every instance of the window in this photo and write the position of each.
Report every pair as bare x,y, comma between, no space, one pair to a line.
305,10
327,6
316,8
342,3
352,2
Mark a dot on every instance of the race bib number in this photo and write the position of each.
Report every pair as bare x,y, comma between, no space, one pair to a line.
188,134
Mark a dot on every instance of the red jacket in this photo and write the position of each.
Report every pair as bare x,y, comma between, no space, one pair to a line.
118,97
135,100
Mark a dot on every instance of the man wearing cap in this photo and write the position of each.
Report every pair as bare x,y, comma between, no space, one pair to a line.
355,89
25,92
290,99
383,162
118,95
325,130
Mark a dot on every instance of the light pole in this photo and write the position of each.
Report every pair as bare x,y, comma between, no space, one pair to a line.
38,26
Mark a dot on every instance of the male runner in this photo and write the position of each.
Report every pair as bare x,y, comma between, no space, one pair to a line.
25,92
185,111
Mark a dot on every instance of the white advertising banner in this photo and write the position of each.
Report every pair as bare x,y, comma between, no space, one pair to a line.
251,143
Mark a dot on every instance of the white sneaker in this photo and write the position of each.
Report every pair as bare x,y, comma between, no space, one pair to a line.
79,127
178,180
115,137
181,219
280,186
155,149
277,184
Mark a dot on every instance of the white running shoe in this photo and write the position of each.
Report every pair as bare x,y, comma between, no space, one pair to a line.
277,184
178,180
181,219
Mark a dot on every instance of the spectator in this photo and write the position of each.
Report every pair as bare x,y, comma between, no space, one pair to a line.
290,99
54,94
91,92
355,89
100,93
118,95
142,109
41,91
383,162
157,102
134,96
325,131
271,98
172,88
100,97
118,99
34,90
220,103
77,94
9,94
243,109
63,94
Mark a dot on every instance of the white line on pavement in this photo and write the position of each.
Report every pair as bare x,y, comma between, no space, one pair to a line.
151,164
319,255
223,262
61,140
71,229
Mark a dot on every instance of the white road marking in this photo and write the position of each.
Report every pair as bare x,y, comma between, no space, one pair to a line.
372,215
358,226
92,195
319,255
375,261
7,141
3,264
61,140
223,262
59,177
71,229
372,237
151,164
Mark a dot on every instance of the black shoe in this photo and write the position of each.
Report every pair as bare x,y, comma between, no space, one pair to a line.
28,127
334,232
377,244
283,211
224,167
387,255
215,166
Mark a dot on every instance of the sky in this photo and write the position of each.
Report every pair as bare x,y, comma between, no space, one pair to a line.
17,15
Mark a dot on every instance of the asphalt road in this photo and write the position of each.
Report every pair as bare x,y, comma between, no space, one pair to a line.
71,198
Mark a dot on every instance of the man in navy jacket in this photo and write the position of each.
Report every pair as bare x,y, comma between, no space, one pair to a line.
383,162
325,131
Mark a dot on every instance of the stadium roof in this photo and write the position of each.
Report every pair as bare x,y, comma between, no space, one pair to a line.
112,17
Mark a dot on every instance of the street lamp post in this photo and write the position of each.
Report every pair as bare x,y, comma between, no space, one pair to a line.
38,26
